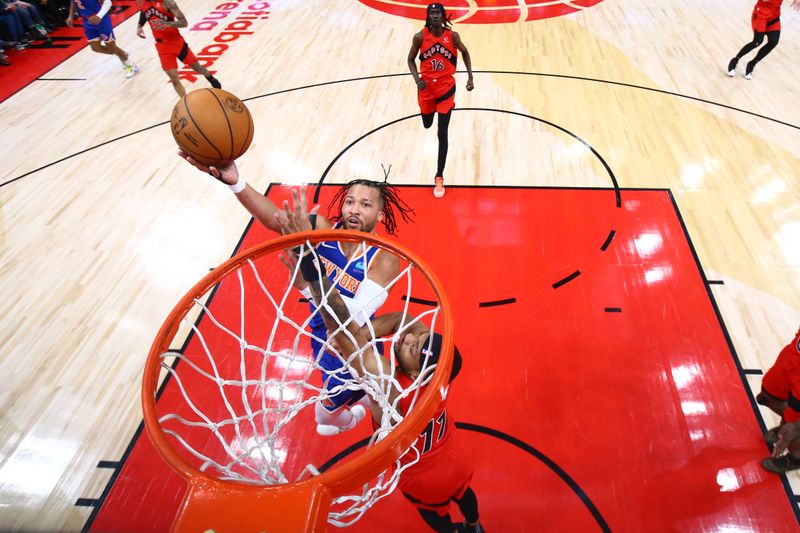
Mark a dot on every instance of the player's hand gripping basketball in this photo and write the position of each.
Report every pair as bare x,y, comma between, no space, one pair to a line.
227,173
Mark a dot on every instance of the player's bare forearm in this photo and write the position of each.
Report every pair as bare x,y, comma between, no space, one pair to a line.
180,20
370,362
412,67
385,269
416,44
335,303
468,63
261,207
389,323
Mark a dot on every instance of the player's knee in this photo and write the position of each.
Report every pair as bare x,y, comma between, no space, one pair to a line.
427,120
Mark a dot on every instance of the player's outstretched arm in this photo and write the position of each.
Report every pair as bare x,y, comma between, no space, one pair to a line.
467,59
796,5
262,208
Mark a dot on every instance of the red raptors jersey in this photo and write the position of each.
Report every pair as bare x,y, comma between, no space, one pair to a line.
438,57
769,8
438,431
156,14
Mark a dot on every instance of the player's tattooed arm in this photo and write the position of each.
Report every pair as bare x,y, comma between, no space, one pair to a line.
180,19
334,313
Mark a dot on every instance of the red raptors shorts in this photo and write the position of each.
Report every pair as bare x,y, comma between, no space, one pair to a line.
170,51
436,480
782,380
438,95
765,19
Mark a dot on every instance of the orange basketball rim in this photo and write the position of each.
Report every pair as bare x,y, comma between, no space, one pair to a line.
220,505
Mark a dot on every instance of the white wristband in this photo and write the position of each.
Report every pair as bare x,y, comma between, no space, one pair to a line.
238,186
104,8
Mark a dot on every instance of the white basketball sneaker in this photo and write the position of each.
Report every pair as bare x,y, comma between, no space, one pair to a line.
328,430
131,70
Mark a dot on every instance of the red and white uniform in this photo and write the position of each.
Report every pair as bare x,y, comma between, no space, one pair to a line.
766,16
782,380
444,470
170,44
438,59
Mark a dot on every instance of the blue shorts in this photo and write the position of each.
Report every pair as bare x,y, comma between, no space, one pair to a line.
102,32
334,374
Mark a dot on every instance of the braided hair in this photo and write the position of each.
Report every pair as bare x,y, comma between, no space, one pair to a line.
445,18
389,197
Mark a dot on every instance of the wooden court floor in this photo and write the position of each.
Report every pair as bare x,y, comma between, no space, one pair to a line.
103,227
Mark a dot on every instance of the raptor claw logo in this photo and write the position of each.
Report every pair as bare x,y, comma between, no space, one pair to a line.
485,11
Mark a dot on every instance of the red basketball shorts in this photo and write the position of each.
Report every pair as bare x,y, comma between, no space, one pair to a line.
782,380
170,51
435,480
766,19
439,95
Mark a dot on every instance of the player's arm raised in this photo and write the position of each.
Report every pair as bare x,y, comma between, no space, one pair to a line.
180,20
262,208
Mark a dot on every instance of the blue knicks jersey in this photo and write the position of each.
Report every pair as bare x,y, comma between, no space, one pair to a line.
87,8
347,282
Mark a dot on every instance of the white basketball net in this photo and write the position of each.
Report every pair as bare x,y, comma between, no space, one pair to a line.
241,405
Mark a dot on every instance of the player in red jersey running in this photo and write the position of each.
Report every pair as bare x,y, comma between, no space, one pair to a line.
443,472
765,21
438,47
165,18
780,392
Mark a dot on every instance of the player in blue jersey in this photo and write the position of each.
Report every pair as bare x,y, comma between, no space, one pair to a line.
360,205
100,32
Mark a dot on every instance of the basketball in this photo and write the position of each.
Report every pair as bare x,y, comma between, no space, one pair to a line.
211,125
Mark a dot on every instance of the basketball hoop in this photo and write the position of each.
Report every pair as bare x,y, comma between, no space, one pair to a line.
245,379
